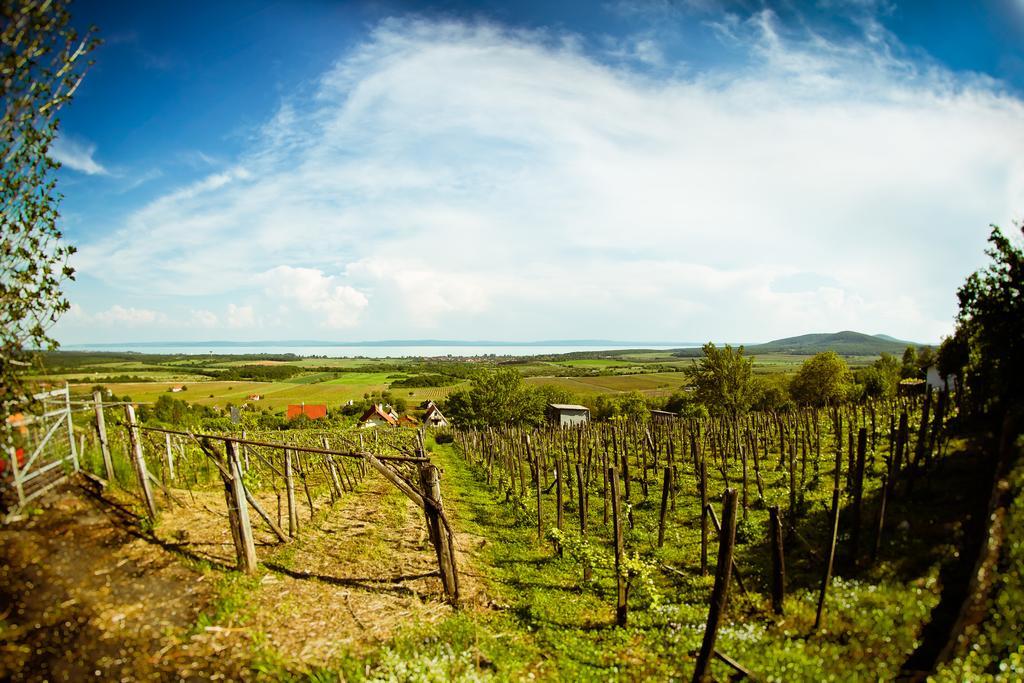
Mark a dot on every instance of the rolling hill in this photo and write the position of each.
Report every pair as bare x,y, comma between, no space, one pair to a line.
845,343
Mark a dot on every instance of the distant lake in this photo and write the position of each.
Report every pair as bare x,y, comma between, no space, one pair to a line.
372,351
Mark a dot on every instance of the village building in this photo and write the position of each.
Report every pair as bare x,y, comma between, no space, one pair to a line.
313,411
433,416
377,416
176,388
663,416
408,421
567,414
254,397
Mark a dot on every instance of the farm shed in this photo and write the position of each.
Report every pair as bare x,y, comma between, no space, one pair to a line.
376,416
312,411
663,416
433,416
568,414
408,421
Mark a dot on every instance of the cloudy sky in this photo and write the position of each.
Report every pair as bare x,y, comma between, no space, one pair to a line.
677,171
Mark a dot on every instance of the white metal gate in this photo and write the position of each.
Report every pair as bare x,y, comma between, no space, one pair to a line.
41,451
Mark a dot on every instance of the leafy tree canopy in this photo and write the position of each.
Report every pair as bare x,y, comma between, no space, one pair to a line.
823,379
988,345
42,62
723,379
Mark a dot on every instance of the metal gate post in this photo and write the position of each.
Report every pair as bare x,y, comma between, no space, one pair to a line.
71,425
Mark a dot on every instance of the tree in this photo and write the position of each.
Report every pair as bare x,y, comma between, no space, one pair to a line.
925,359
823,379
889,368
909,369
42,63
723,379
633,406
771,394
496,398
989,337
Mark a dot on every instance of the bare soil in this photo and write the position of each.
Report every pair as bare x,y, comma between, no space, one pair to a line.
86,593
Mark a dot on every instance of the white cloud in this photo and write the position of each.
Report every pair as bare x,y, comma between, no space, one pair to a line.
203,318
496,183
77,155
333,305
240,316
131,316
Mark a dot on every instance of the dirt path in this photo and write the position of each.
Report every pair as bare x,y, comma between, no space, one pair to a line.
87,594
81,597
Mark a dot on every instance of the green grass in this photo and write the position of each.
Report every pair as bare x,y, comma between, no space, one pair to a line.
549,625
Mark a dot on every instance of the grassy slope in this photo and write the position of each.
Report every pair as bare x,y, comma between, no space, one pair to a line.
547,624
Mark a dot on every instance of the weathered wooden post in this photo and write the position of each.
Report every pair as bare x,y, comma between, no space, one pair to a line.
246,548
858,494
666,485
170,457
559,474
289,485
443,546
536,481
101,432
140,462
778,560
880,526
583,509
620,580
703,517
827,578
720,592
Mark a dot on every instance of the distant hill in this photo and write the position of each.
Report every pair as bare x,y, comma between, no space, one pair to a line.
846,343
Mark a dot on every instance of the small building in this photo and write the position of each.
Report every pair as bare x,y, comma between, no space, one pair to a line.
254,397
377,416
408,421
939,383
313,411
567,414
433,416
663,416
176,388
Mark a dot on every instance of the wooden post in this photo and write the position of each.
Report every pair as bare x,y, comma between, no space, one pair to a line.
101,432
620,580
247,547
664,505
858,494
443,545
703,517
289,484
720,593
170,457
881,519
581,490
140,462
559,475
778,560
536,481
827,578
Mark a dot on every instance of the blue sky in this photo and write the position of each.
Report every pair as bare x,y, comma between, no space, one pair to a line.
684,170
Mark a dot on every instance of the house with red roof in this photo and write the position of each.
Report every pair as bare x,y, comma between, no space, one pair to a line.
377,416
313,411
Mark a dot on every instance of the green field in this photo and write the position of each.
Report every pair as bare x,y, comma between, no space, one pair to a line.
335,381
